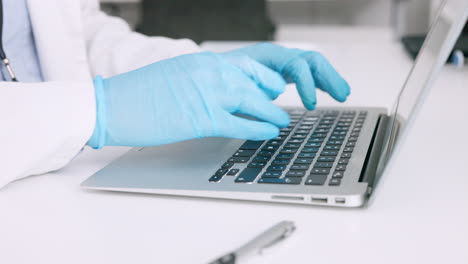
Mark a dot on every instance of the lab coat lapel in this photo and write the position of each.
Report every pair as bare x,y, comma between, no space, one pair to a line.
60,40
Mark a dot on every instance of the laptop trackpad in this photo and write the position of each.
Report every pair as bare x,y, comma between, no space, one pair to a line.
168,166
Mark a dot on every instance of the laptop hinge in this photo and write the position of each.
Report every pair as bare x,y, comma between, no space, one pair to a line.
371,162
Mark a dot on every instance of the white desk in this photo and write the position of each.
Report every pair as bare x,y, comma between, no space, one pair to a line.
420,213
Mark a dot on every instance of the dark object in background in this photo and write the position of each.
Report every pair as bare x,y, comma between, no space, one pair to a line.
202,20
413,44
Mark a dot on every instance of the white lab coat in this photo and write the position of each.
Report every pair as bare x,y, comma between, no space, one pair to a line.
45,125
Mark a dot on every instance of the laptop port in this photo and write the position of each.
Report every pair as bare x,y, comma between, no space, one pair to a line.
340,200
290,198
319,200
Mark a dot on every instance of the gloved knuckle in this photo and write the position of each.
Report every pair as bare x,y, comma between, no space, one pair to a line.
318,61
297,66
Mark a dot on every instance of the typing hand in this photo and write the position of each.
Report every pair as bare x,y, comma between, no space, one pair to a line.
188,97
308,69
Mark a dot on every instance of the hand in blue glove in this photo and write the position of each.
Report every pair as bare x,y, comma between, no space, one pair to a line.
308,69
188,97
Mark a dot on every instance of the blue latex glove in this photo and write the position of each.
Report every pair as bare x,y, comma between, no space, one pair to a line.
308,69
188,97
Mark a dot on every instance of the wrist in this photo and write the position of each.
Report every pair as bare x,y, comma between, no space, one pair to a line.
98,138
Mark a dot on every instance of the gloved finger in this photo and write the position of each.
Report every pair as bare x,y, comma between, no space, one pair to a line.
257,105
326,77
298,71
271,82
242,128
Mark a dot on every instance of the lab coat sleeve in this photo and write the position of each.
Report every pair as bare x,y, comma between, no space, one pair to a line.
113,48
43,126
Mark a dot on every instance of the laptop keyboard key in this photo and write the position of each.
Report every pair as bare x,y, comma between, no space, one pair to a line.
239,159
300,167
316,179
323,165
315,139
272,174
292,145
322,130
280,162
296,140
348,149
256,165
302,131
335,182
337,174
340,133
274,142
335,142
341,129
346,155
294,173
261,158
320,171
227,165
233,172
221,172
244,153
299,136
284,156
324,126
326,158
319,135
340,168
251,145
215,178
313,144
270,147
266,153
307,123
288,151
328,147
343,161
248,175
276,168
337,137
329,153
303,161
282,138
306,155
286,180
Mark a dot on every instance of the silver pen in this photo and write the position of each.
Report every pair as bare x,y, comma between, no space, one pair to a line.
255,246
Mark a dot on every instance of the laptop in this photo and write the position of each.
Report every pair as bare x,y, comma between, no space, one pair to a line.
328,157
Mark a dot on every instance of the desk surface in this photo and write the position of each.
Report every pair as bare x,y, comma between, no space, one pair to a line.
419,215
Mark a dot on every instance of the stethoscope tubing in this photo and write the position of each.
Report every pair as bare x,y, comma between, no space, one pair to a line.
3,56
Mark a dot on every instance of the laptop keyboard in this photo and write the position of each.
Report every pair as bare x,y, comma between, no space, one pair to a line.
313,150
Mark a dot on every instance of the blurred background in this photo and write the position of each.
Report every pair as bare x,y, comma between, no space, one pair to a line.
279,20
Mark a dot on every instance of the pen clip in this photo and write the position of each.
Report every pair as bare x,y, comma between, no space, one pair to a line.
287,232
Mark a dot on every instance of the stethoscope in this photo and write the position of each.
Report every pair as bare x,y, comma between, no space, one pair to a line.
3,56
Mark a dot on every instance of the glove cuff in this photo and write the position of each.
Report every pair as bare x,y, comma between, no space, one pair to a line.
98,139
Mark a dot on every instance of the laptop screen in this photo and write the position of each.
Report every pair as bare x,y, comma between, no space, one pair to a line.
445,30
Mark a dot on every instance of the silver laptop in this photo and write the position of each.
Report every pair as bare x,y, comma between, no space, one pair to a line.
329,156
